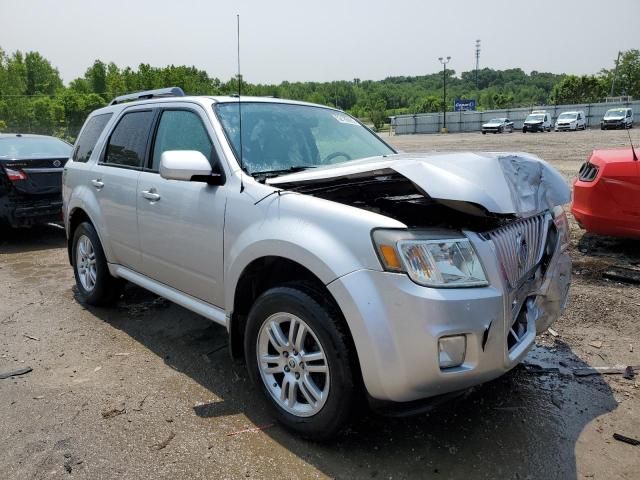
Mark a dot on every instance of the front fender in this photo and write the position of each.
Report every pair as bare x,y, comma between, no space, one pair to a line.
327,238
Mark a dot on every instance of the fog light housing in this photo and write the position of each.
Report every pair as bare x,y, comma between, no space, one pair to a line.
452,351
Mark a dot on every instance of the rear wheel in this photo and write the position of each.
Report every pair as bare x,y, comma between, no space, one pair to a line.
95,284
298,355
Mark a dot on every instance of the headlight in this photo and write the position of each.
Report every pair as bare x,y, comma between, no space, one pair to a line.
562,224
428,260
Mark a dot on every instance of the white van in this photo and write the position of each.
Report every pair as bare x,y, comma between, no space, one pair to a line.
537,121
575,120
617,118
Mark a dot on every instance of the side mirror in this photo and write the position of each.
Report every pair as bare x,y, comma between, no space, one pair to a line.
188,166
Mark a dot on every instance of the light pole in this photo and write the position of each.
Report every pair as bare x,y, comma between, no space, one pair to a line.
444,92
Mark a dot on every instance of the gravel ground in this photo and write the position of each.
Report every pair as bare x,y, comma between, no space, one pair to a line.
147,389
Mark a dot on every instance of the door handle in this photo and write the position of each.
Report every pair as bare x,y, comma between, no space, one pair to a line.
98,183
151,195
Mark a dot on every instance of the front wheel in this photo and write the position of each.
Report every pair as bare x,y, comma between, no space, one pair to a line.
298,354
95,284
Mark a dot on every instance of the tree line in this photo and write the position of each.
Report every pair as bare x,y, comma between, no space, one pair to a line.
33,97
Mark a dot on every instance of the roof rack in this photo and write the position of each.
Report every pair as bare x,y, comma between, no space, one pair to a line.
160,92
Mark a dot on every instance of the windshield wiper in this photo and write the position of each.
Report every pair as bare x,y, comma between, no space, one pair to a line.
276,173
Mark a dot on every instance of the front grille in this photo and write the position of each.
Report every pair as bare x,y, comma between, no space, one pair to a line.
588,172
520,246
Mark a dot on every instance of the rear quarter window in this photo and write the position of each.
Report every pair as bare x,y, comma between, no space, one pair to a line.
89,136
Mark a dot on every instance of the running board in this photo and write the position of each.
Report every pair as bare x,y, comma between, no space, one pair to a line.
176,296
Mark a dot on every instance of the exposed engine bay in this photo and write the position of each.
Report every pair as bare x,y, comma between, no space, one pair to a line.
395,196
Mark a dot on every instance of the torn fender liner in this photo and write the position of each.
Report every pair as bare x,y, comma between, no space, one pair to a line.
502,183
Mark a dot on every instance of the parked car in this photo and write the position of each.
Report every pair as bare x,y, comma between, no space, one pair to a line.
31,178
571,121
617,118
498,125
341,269
606,194
537,121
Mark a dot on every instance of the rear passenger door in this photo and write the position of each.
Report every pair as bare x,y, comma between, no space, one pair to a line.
115,183
181,228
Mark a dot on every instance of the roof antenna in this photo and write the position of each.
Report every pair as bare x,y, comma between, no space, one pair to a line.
633,150
240,109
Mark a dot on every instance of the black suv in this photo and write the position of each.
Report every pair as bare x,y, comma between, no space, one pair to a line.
31,178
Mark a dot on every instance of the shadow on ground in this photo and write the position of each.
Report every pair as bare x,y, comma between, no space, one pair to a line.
523,425
33,239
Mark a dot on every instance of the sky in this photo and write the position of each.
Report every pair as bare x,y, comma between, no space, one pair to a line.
323,40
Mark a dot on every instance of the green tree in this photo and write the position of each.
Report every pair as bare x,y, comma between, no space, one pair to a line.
574,89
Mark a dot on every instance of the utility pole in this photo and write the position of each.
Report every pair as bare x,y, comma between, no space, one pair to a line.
615,74
444,92
477,60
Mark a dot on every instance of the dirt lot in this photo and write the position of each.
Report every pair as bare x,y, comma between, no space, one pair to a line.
147,389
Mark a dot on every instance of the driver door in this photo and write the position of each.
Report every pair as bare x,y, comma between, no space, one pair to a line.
181,223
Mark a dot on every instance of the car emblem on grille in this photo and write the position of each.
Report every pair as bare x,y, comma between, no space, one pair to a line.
523,250
57,163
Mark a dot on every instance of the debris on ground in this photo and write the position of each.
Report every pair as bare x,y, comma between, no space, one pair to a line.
165,442
553,332
596,344
15,373
628,373
114,412
537,369
250,430
623,274
615,370
629,440
31,338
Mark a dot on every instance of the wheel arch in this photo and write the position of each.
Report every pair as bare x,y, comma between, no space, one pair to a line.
267,272
79,215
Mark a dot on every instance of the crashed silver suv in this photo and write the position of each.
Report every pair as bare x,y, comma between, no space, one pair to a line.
341,269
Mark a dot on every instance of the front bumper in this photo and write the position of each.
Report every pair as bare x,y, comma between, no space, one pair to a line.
613,124
533,127
396,325
566,126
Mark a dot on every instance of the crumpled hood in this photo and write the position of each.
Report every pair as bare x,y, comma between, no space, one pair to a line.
503,183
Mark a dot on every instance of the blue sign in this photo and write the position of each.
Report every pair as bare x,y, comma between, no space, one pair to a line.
464,104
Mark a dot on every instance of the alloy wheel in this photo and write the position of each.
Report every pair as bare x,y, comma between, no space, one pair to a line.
293,365
86,263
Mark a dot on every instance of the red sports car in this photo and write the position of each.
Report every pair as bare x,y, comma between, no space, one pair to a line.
606,194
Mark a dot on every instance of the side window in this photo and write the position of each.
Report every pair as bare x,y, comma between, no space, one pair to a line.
89,136
180,130
128,141
629,113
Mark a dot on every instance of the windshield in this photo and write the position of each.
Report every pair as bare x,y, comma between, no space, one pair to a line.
567,116
281,137
615,112
538,117
33,147
497,120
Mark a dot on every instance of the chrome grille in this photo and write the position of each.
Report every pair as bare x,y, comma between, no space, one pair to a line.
520,246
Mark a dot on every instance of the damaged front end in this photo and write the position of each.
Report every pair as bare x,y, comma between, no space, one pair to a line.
512,201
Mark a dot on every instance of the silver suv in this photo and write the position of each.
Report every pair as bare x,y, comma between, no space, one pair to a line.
341,269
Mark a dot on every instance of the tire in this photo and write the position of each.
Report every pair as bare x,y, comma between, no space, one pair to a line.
318,415
524,130
95,284
484,133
